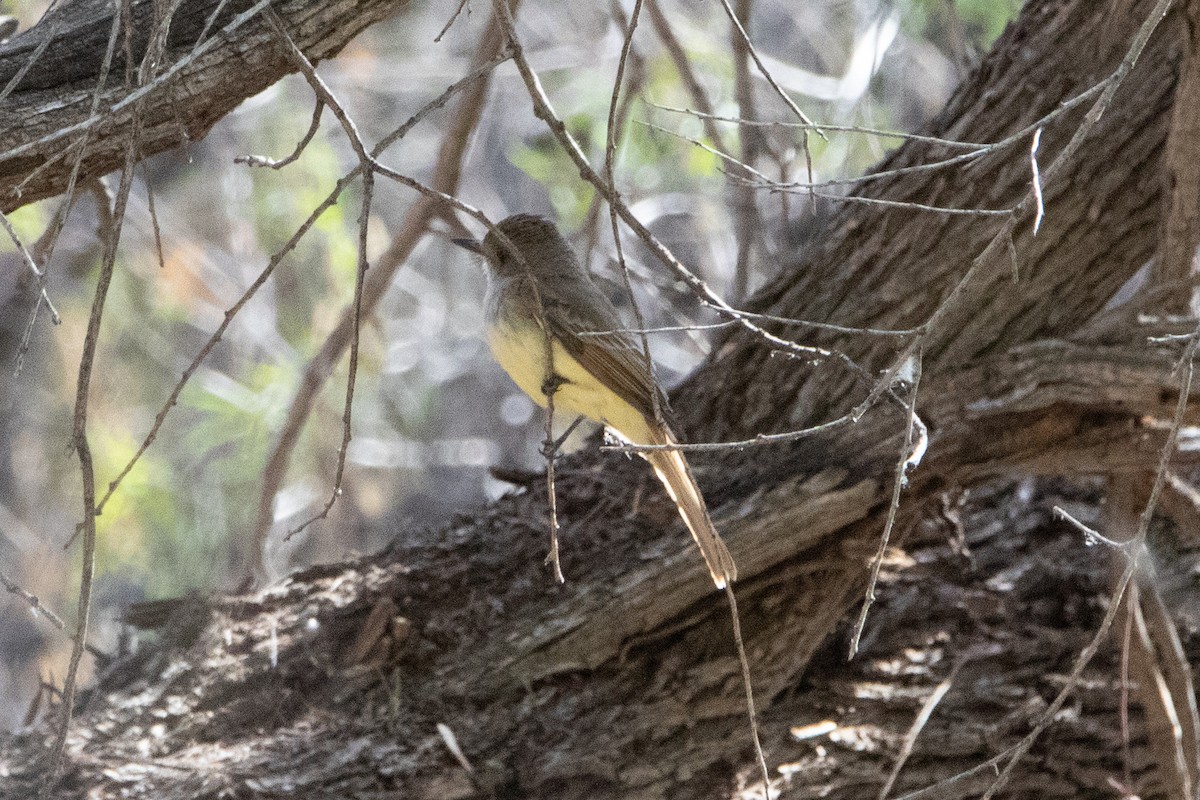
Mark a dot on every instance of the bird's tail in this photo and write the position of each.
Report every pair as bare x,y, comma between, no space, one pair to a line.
672,469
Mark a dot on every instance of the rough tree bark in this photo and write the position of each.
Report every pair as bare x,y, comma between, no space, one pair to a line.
622,683
50,77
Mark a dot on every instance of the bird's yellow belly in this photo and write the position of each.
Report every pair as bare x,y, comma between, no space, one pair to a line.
521,351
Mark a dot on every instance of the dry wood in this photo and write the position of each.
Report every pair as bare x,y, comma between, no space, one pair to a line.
198,81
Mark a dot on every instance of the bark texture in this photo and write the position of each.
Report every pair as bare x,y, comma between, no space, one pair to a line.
623,682
59,101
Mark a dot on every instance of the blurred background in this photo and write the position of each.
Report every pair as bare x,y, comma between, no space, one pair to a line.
432,411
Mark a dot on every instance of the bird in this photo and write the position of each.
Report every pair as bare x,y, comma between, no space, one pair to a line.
558,335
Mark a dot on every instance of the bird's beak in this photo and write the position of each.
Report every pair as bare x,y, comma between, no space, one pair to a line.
469,244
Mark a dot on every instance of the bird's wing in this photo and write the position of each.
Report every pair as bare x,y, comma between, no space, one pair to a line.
598,340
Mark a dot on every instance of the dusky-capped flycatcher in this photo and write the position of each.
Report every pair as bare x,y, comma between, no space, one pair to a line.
543,307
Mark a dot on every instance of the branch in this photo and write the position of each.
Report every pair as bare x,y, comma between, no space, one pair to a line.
218,54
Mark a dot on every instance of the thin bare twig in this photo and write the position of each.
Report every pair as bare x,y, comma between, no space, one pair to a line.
275,260
824,326
265,161
683,66
326,98
879,201
899,479
707,115
751,711
952,302
208,25
745,37
609,170
79,437
360,275
80,145
760,440
1090,535
34,603
622,106
752,142
763,182
1177,675
1161,707
59,220
491,51
1123,715
136,97
551,450
450,22
37,53
154,226
545,111
919,723
1014,755
975,150
738,164
26,256
610,149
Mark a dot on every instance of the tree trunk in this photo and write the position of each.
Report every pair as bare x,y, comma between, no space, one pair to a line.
623,683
